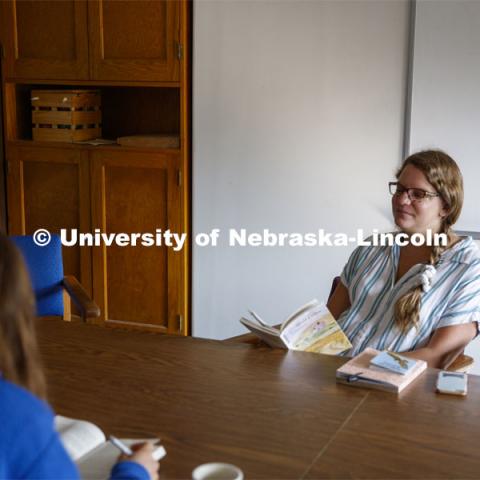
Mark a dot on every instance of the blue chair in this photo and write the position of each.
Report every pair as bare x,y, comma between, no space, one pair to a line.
53,291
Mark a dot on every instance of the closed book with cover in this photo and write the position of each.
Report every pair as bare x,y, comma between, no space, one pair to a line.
393,362
359,372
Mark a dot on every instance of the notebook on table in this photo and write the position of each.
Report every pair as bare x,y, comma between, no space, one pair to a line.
361,371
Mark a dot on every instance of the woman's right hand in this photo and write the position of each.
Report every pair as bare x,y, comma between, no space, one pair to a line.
142,454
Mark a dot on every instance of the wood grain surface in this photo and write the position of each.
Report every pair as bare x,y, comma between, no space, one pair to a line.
273,413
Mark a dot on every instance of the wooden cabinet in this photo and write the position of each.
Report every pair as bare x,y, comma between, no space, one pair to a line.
109,191
49,188
103,40
138,193
134,40
45,39
136,52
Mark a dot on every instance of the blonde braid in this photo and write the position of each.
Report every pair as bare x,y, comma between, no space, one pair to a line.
407,308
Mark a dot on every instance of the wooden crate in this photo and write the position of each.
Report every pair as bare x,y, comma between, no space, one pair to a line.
66,115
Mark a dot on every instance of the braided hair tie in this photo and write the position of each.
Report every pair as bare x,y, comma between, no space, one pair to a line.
426,277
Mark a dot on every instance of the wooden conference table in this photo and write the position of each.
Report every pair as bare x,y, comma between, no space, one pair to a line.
275,414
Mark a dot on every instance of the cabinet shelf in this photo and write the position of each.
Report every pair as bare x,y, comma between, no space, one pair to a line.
92,83
125,110
78,146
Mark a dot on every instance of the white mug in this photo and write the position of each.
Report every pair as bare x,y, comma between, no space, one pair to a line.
217,471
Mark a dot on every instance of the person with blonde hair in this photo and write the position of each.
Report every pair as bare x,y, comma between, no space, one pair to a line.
29,445
420,300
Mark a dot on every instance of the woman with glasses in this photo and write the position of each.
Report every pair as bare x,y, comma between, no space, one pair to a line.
424,300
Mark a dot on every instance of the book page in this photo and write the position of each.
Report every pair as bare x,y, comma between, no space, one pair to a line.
270,335
97,464
299,312
315,330
78,437
257,327
258,319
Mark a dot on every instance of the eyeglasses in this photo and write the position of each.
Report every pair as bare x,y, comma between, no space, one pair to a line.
414,194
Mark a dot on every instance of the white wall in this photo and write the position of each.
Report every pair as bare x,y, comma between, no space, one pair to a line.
297,125
445,90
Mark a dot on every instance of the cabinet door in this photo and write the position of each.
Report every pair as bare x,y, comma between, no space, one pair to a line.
49,188
137,285
45,39
134,40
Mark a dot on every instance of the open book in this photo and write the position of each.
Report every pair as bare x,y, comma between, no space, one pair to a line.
311,328
361,371
89,449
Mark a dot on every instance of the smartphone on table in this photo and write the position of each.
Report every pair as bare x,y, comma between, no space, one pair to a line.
452,383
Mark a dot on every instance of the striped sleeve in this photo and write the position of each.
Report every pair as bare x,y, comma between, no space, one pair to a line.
464,306
356,259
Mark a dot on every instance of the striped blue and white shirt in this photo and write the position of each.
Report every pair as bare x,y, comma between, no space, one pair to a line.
369,275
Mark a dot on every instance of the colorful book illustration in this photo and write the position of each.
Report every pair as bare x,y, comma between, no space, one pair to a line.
311,328
359,372
393,362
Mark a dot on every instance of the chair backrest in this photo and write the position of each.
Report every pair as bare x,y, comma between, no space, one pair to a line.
45,265
335,282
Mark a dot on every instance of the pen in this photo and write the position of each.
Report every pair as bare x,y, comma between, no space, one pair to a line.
120,445
157,454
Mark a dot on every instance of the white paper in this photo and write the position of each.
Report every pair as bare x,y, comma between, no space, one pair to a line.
87,446
78,437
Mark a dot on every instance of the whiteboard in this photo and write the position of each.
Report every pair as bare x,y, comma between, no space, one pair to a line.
445,91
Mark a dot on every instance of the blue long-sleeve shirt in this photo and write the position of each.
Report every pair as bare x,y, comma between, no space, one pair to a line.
31,448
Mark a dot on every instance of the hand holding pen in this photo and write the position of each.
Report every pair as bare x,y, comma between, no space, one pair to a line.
145,454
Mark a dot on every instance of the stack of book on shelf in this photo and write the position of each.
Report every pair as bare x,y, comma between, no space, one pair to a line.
388,371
